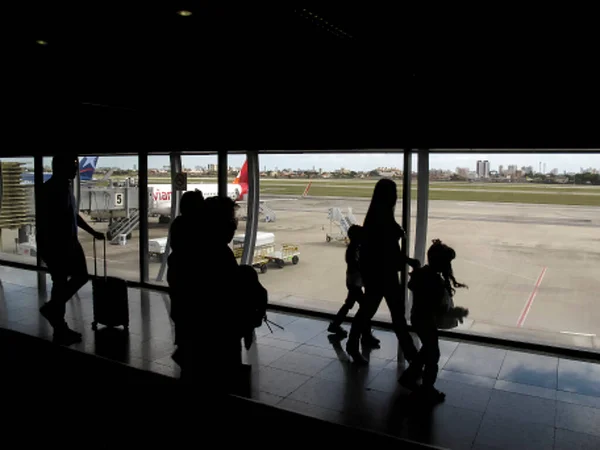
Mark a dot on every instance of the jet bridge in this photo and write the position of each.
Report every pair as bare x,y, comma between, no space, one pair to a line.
117,204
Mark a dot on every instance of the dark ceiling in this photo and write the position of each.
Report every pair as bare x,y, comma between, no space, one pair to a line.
133,74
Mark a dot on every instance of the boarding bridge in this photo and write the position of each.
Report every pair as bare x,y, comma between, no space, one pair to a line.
117,204
109,202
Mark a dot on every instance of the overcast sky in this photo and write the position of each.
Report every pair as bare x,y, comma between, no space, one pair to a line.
569,163
562,162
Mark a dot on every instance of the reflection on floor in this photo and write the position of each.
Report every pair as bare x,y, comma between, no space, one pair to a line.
496,398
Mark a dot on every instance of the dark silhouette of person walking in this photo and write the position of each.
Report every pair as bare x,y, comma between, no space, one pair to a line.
186,237
380,261
433,287
215,308
58,244
354,285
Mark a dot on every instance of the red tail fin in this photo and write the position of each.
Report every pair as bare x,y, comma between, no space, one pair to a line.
242,180
242,177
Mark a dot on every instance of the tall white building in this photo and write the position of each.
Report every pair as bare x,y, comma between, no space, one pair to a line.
483,169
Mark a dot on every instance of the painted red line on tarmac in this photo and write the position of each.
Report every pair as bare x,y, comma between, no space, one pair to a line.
529,303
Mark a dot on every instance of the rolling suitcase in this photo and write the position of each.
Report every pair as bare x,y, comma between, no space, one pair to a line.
110,301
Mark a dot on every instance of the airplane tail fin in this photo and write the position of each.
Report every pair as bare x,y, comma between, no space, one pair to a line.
242,180
242,177
87,167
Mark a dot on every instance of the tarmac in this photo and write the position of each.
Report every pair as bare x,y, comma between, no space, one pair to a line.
532,270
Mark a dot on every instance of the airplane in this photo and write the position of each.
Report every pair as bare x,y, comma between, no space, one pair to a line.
87,167
237,191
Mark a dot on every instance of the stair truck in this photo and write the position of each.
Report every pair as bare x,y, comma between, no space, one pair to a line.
343,222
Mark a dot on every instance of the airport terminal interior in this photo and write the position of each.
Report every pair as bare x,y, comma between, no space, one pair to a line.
521,212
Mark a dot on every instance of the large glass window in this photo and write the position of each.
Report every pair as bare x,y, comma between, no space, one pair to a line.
202,174
525,230
524,227
307,203
108,202
17,210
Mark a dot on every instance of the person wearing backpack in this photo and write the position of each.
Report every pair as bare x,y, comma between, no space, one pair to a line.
433,287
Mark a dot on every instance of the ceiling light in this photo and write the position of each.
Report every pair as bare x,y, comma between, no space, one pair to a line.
184,13
40,42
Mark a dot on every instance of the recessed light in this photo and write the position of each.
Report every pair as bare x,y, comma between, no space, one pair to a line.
41,42
184,13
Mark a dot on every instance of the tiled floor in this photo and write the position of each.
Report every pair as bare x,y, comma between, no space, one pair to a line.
496,398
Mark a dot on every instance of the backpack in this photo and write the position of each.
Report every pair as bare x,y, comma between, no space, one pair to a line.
257,305
253,304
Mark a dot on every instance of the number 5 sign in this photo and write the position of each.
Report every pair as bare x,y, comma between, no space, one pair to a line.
119,199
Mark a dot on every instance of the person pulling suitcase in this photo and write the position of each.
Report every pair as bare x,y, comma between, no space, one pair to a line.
110,299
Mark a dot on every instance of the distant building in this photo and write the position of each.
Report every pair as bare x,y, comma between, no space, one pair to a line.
483,169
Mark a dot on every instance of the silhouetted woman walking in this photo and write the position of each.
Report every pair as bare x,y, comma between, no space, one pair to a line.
380,261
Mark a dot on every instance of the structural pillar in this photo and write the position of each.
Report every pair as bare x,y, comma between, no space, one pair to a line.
222,173
422,205
176,167
143,199
253,203
38,180
406,210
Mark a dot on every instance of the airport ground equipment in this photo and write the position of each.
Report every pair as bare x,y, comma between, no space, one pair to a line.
289,253
157,248
267,212
265,245
342,221
266,251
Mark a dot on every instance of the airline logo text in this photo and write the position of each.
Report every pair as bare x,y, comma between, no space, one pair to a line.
161,196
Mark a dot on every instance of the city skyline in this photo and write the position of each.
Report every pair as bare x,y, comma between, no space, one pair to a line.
365,161
370,161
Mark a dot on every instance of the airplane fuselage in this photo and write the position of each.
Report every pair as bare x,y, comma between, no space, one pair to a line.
162,195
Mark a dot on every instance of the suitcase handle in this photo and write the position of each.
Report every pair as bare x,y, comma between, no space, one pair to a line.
96,259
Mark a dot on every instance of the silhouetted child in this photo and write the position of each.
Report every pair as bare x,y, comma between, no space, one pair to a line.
433,288
253,307
354,285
